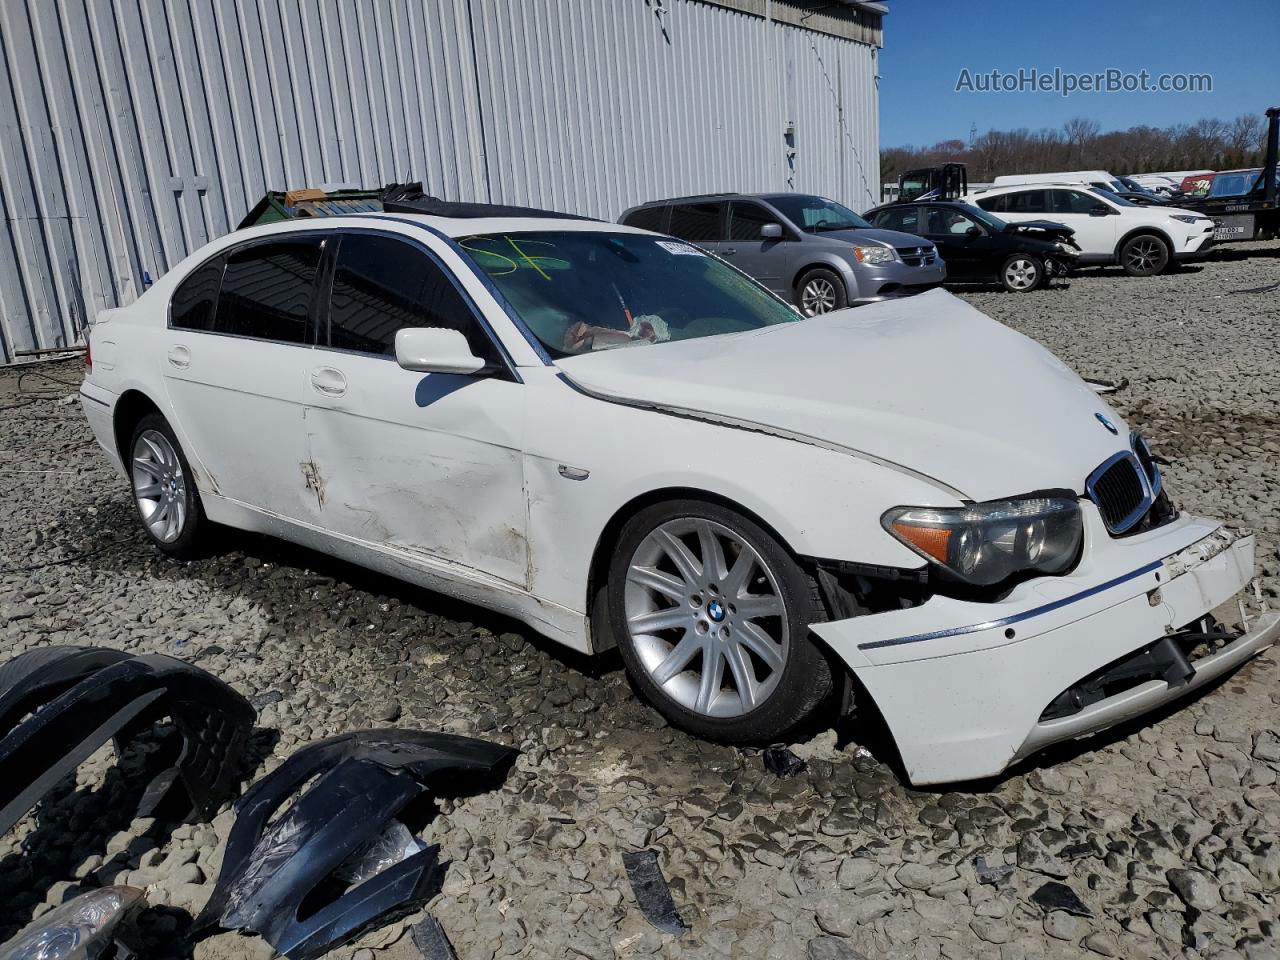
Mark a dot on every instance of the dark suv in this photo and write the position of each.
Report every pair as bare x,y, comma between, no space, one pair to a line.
811,251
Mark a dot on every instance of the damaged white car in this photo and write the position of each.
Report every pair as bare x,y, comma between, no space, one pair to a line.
621,440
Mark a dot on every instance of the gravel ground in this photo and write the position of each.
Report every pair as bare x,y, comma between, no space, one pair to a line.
1167,831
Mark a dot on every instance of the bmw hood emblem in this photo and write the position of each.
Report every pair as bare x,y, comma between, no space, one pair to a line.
1107,423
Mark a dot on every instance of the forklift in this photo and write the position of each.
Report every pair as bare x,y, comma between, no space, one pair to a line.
950,181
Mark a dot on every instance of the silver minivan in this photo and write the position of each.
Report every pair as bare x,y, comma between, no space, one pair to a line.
811,251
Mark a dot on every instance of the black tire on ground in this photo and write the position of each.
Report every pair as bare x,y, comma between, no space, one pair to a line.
805,680
1022,273
1144,255
193,538
820,291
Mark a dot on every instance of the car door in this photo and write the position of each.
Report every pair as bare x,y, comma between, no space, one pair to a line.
237,365
1092,218
966,254
763,258
430,465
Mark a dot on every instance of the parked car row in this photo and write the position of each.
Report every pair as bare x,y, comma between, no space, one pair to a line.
614,436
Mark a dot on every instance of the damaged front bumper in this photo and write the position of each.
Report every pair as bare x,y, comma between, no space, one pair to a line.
969,688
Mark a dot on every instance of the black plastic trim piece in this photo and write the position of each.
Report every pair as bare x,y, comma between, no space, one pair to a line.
60,704
363,781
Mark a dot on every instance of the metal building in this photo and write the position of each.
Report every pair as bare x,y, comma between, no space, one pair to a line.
133,131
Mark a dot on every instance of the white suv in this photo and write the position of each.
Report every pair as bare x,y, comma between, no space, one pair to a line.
1109,229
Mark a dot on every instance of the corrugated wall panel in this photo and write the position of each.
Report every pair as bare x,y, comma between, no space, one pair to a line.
133,131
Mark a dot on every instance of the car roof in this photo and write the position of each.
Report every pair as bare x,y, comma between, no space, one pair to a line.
451,227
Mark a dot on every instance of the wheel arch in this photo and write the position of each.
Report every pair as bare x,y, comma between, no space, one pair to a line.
602,553
841,270
131,407
1139,231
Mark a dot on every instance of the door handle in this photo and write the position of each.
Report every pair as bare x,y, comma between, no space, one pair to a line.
730,252
179,357
328,381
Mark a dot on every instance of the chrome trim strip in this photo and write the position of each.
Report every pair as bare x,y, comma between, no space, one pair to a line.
1017,617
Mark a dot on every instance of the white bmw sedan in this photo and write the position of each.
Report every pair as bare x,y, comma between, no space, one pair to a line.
621,440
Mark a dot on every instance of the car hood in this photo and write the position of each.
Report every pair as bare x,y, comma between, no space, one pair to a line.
927,383
893,238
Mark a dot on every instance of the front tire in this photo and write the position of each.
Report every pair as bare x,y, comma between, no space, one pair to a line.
821,291
164,491
1144,255
712,616
1022,273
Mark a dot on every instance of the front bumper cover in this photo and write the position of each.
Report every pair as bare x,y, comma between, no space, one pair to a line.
963,685
60,704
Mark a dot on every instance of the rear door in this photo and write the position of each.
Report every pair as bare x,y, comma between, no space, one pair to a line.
428,464
237,364
762,258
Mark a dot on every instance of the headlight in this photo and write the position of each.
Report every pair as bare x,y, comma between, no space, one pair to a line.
79,928
876,254
986,543
1184,218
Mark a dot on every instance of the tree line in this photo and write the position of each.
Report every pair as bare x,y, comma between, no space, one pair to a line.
1079,144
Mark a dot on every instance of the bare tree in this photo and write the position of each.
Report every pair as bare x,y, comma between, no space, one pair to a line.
1209,144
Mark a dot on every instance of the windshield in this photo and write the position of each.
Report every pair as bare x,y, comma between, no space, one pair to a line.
1235,184
1112,198
988,219
584,291
817,214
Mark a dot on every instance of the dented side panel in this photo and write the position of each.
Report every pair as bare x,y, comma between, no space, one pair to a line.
429,464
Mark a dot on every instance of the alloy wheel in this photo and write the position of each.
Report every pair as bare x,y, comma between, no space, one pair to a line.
818,296
159,486
1146,255
706,617
1021,274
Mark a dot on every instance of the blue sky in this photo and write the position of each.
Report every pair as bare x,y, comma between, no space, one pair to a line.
929,42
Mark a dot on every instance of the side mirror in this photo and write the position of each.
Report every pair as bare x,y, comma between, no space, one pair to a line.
435,350
1100,210
771,231
973,233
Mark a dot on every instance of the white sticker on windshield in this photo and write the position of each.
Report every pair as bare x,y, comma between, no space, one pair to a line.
681,248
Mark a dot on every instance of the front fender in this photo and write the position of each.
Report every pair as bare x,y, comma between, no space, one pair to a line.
821,501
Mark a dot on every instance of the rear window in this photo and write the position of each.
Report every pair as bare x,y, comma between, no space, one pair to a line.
697,222
193,304
649,218
267,290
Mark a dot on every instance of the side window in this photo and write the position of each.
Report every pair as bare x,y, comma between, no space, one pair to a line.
267,289
193,303
947,221
697,222
649,218
1073,201
1028,201
746,219
998,204
381,284
906,219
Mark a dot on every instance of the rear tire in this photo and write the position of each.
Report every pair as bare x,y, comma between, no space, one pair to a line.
1022,273
164,490
711,615
820,291
1144,255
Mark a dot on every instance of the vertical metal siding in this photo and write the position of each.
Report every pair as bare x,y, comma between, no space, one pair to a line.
133,131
